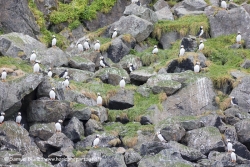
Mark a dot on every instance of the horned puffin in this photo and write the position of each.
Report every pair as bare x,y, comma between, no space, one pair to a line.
97,46
155,50
99,99
58,126
64,74
114,34
103,64
182,51
36,67
4,75
52,94
54,41
33,56
122,83
18,118
96,141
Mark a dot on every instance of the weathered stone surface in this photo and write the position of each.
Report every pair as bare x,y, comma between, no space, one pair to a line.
246,64
238,74
189,43
47,110
205,139
194,5
164,14
234,115
127,59
142,75
131,156
9,157
182,11
141,11
122,100
139,28
94,156
81,63
81,112
74,130
42,130
91,126
172,132
211,120
100,112
242,130
113,160
168,38
144,90
47,6
13,92
160,4
17,17
148,148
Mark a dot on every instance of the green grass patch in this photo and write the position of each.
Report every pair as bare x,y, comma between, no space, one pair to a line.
185,25
15,64
239,2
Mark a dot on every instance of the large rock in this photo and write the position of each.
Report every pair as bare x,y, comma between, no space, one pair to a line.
205,139
47,110
74,130
164,14
131,156
149,148
122,100
189,43
141,11
242,132
100,112
126,60
113,160
139,28
17,17
81,112
182,11
42,130
13,92
194,5
81,63
173,132
168,38
160,4
92,126
142,75
234,115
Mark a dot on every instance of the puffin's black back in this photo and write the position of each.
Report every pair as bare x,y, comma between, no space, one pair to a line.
61,75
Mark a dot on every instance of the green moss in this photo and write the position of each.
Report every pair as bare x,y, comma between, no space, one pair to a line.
239,2
15,63
185,25
16,39
74,24
79,59
78,106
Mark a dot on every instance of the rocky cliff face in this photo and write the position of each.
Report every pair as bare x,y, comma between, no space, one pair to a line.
192,111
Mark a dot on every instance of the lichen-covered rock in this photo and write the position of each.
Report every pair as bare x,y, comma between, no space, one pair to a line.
47,110
148,148
172,132
194,5
182,11
74,130
127,59
100,112
122,100
212,120
112,160
92,126
9,157
94,156
141,11
205,139
164,14
131,156
81,63
160,4
234,115
42,130
242,131
167,39
81,112
13,92
139,28
142,75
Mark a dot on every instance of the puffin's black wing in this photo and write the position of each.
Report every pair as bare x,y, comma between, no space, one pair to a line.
138,3
198,34
105,63
133,68
61,75
235,101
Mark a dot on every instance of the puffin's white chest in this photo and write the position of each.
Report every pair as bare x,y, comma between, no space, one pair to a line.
229,146
223,4
114,34
238,38
102,63
201,46
86,45
96,141
66,83
50,74
33,57
1,118
65,74
58,126
52,94
122,83
36,67
80,47
160,137
97,46
4,75
196,68
155,51
53,41
182,51
233,156
18,118
99,100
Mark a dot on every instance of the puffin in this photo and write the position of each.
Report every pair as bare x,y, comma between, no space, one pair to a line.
182,51
96,141
97,46
86,44
201,31
52,94
234,101
114,34
4,75
160,137
103,64
223,4
238,38
18,118
131,67
2,117
197,67
155,50
36,67
64,74
233,156
201,46
54,41
32,56
229,146
58,126
50,73
79,47
122,83
65,83
99,99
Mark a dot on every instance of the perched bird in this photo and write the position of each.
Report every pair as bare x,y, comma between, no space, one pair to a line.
86,44
33,57
160,137
96,141
182,51
234,101
114,34
223,4
97,46
36,67
103,64
137,2
201,46
79,47
18,118
155,50
50,73
131,67
2,117
197,67
229,146
64,74
233,156
99,99
201,31
4,75
122,83
52,94
65,83
58,126
54,41
238,38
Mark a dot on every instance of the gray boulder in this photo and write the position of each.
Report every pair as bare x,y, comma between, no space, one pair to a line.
172,132
113,160
168,38
142,75
211,120
182,11
241,150
81,112
230,133
234,115
131,156
246,64
205,139
139,28
160,4
144,90
94,156
149,148
141,11
242,132
100,112
74,130
13,92
123,99
193,5
42,130
19,20
47,110
81,63
189,43
164,14
92,126
9,157
127,59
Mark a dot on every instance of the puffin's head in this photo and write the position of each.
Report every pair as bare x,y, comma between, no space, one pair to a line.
19,113
4,69
201,41
238,32
101,57
123,77
201,27
98,94
182,46
233,150
97,41
49,69
155,46
67,77
198,63
228,140
115,29
2,113
232,97
60,121
53,36
97,136
87,39
33,51
158,132
53,88
130,64
37,61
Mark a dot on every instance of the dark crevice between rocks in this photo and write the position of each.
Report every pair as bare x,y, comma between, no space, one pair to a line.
247,145
119,105
177,67
50,150
226,87
123,120
188,158
137,83
132,165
